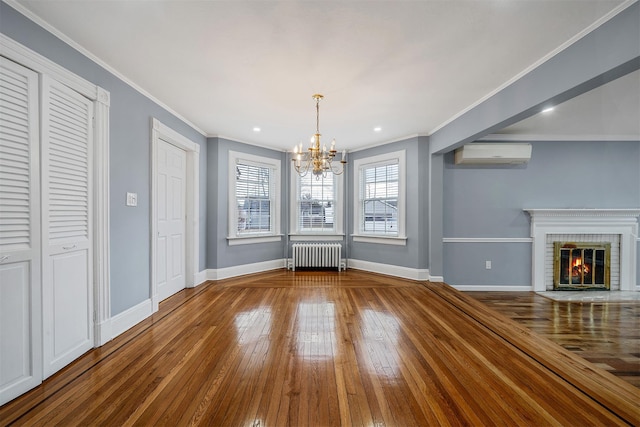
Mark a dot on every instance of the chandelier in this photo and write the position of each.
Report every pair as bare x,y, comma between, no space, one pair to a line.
316,159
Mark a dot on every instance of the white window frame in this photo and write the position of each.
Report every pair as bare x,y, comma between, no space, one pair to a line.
274,166
359,234
337,234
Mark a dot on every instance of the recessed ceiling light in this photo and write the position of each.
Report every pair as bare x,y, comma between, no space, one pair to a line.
548,109
256,129
377,129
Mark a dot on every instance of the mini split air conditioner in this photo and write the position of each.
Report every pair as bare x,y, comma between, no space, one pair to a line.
494,153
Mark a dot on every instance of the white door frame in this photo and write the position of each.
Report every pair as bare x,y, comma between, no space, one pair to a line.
101,98
162,132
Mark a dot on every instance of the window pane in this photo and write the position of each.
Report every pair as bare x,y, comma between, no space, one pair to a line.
380,199
316,200
253,198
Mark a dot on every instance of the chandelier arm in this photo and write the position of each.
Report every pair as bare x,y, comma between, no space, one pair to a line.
317,158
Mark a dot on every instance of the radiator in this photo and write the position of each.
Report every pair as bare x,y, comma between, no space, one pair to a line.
317,255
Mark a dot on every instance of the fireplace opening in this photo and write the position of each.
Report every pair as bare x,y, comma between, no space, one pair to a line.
581,266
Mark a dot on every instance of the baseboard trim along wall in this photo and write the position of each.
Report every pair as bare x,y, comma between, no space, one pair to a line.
241,270
199,278
131,317
391,270
492,288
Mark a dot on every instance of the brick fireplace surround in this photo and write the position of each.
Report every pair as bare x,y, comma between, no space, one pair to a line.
612,222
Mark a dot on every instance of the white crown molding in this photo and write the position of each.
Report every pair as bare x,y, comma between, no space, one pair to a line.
75,45
255,144
391,141
532,137
615,11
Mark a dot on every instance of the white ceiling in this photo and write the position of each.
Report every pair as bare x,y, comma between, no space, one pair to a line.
406,66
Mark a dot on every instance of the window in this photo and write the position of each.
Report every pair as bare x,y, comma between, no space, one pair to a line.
316,205
379,207
254,209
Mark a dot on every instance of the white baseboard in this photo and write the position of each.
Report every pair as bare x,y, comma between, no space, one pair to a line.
436,278
199,278
102,332
241,270
493,288
390,270
131,317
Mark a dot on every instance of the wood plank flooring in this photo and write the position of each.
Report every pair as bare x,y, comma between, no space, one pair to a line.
327,349
604,333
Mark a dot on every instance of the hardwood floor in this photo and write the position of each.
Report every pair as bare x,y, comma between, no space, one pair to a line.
604,333
327,349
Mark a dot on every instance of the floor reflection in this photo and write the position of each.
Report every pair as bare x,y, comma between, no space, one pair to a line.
316,329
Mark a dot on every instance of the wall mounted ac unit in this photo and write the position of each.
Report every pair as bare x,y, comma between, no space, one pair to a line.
494,153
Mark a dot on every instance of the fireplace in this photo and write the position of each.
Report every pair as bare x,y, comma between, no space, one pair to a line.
581,266
582,237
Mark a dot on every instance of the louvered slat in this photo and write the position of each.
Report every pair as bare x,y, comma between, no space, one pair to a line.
15,173
68,181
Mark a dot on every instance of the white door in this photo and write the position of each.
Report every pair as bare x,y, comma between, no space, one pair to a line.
20,309
66,152
171,184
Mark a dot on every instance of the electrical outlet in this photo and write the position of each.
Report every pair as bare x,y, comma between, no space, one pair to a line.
487,265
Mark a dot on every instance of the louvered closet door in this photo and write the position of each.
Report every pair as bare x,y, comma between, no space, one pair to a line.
67,119
20,310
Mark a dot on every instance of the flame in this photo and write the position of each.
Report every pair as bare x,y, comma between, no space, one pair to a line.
578,267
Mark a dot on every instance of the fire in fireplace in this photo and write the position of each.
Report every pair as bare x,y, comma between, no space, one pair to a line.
581,266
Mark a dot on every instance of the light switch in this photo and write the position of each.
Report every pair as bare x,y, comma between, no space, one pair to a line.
132,199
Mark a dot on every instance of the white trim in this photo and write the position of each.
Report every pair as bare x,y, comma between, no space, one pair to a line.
101,99
491,288
436,278
338,207
615,11
250,240
162,132
487,240
582,138
398,157
102,246
38,63
316,237
199,278
381,239
74,45
389,270
241,270
275,166
129,318
390,141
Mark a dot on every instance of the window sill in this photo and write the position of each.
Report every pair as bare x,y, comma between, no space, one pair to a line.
299,237
381,240
249,240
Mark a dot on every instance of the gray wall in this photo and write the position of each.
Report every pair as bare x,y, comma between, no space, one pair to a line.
219,253
488,202
130,139
415,253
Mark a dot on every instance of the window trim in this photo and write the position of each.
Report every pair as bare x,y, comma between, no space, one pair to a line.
274,166
337,234
359,235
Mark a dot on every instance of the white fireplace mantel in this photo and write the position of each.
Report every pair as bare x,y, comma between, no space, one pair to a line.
586,221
